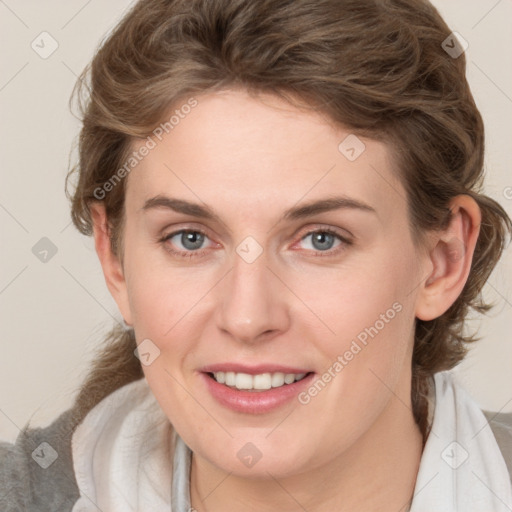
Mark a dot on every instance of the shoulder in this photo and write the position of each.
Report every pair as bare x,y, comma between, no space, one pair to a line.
36,472
501,426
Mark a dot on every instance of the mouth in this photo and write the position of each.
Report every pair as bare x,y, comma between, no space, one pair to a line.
255,391
257,382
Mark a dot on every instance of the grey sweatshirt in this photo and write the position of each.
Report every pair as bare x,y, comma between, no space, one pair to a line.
39,477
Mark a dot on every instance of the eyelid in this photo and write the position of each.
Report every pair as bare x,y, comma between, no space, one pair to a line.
333,252
167,236
308,231
327,228
170,231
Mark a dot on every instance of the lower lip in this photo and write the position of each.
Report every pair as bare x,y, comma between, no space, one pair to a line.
255,402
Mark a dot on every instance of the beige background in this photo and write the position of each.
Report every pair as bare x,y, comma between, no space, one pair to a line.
54,314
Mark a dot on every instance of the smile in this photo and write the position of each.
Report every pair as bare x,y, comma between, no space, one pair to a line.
257,393
262,381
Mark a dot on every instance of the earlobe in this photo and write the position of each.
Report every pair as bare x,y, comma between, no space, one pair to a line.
450,259
110,263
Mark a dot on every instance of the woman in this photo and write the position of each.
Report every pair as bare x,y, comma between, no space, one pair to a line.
286,202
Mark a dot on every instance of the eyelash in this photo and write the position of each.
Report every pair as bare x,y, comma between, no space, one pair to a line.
196,254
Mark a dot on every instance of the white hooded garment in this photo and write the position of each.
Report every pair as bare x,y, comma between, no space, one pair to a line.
127,457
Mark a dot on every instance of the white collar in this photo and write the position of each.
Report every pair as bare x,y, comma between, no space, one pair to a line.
123,457
462,468
122,453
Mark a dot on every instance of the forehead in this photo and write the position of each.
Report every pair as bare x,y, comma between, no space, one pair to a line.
251,153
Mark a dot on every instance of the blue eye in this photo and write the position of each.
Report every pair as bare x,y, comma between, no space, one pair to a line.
192,241
322,240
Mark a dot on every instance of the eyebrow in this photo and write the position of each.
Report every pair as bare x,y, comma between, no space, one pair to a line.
294,213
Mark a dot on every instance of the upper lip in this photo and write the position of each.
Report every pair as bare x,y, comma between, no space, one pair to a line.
252,370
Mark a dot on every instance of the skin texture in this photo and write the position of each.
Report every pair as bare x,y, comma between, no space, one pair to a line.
354,446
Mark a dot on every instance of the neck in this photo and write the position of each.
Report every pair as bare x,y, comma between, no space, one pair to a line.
377,473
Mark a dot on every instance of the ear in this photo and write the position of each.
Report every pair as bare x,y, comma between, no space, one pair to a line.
449,259
110,263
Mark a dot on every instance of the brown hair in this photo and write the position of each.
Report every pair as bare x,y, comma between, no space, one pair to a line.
375,66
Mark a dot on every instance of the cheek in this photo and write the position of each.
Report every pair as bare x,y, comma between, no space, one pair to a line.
371,293
366,349
367,314
160,294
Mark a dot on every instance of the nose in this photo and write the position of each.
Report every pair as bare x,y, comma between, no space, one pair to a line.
254,302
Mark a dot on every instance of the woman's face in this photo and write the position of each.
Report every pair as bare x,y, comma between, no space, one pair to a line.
264,282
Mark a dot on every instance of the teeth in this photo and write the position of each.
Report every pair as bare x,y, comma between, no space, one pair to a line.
229,378
243,381
277,380
289,378
262,381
